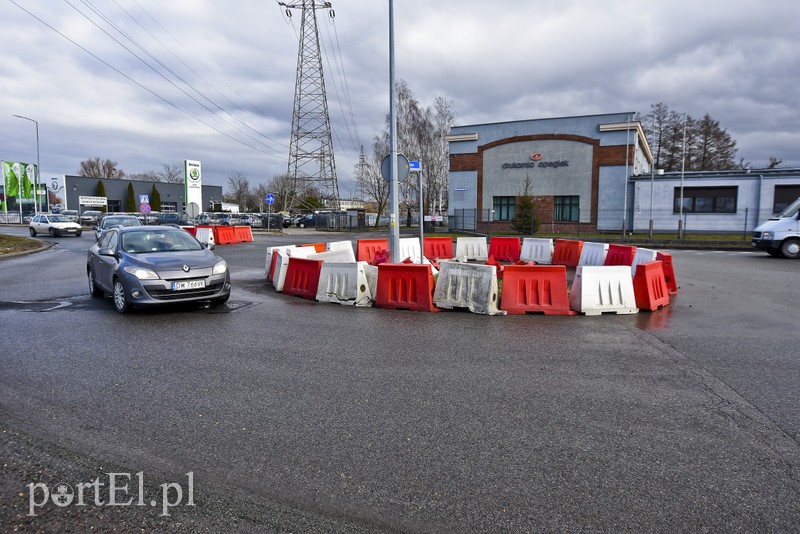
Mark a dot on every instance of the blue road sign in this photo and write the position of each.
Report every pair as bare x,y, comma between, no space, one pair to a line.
414,166
270,198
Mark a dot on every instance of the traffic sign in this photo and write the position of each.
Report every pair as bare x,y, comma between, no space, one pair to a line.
144,199
270,198
415,166
144,208
402,167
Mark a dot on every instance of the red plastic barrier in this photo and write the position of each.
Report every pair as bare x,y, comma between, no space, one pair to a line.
223,235
319,247
669,272
242,234
302,277
535,289
505,248
567,252
620,255
191,229
367,248
650,286
438,247
382,256
272,264
405,286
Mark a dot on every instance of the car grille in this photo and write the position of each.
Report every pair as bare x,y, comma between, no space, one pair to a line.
756,235
161,293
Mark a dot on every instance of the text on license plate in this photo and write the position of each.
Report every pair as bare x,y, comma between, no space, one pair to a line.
189,284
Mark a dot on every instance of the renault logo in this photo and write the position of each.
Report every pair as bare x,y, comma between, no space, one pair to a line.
186,268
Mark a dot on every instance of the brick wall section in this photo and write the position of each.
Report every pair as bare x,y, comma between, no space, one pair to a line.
615,155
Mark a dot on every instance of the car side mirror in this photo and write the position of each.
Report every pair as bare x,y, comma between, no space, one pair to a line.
210,246
106,251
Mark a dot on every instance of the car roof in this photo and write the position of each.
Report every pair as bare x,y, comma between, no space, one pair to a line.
150,228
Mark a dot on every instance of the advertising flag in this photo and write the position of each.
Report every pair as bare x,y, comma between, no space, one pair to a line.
26,182
11,179
193,187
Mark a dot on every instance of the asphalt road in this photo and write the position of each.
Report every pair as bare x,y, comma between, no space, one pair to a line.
295,416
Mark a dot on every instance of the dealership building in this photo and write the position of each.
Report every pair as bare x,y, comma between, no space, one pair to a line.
173,196
595,173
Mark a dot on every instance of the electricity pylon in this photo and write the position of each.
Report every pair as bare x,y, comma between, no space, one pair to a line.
311,161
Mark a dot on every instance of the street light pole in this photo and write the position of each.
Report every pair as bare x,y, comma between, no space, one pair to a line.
394,231
36,174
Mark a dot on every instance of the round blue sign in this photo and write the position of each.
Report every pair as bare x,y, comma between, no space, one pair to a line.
270,198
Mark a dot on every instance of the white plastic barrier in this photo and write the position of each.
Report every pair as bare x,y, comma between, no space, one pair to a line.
642,255
273,250
538,250
593,253
339,245
409,248
372,279
600,289
282,264
472,248
205,235
344,283
340,256
465,285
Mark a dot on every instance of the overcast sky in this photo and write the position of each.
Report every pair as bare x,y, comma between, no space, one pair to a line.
70,65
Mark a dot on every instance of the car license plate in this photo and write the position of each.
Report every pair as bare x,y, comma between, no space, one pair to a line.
190,284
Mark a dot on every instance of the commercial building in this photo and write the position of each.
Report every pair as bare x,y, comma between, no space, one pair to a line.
594,173
72,188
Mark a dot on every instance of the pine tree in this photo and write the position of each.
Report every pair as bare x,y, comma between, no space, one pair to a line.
130,202
101,192
155,199
525,220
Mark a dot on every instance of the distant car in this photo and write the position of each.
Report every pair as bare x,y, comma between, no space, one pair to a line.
72,215
171,218
203,218
110,221
56,208
90,217
221,219
53,225
155,265
305,220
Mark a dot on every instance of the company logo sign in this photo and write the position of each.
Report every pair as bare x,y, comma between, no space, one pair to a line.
537,160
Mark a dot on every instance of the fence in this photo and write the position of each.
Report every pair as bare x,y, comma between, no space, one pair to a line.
665,222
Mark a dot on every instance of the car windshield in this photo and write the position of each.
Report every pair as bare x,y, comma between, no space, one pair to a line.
159,241
58,218
121,221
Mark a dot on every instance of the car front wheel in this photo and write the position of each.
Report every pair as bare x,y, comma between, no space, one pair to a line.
120,300
52,232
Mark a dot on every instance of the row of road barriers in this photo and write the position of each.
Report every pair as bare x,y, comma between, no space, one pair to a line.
221,235
608,278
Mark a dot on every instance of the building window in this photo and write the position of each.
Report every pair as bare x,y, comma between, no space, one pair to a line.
504,208
567,209
705,200
784,195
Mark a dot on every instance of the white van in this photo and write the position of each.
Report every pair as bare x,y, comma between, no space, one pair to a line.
780,236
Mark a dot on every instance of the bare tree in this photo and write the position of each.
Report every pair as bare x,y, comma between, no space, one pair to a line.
171,174
239,190
97,168
371,181
282,187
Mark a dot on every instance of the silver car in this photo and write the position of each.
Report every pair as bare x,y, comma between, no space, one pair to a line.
155,265
53,225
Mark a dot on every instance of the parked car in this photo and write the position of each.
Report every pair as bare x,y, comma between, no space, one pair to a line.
110,221
221,219
53,225
155,265
90,217
56,208
172,218
72,215
203,218
305,220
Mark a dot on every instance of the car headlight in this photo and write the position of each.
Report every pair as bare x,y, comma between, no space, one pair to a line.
220,268
768,236
142,273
